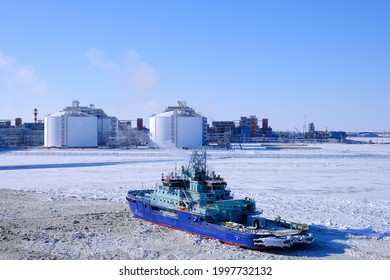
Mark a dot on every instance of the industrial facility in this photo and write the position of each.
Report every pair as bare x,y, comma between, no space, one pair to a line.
86,126
106,126
178,126
223,133
21,134
128,136
70,129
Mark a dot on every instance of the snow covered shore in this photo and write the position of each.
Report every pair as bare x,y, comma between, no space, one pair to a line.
342,191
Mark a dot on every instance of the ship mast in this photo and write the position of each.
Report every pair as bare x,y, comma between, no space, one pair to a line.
197,165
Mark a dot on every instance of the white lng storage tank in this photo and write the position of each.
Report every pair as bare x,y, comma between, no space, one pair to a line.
70,129
178,126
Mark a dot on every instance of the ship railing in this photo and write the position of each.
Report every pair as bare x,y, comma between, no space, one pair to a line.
245,228
292,225
140,193
209,179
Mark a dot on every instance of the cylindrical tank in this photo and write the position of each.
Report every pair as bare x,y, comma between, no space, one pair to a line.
53,131
189,133
160,130
72,129
176,129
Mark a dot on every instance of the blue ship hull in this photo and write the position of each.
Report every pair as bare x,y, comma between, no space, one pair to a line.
192,223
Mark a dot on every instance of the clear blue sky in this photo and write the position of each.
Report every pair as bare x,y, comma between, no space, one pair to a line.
328,60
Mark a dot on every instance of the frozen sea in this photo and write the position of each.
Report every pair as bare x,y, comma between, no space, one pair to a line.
342,191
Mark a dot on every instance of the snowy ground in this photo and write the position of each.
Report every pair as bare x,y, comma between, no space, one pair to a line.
342,191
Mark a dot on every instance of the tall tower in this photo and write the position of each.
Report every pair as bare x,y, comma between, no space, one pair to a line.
265,126
35,117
